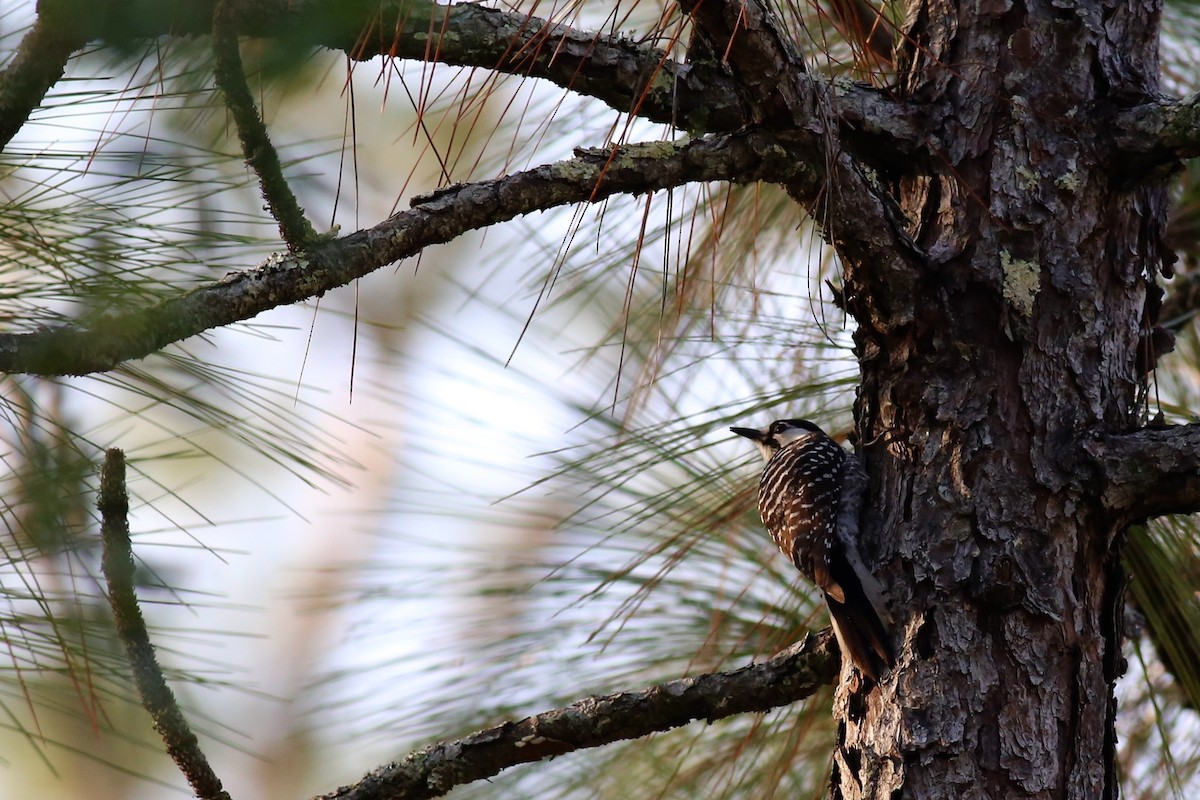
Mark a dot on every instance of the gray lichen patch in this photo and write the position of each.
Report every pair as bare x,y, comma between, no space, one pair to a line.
575,170
657,150
1021,279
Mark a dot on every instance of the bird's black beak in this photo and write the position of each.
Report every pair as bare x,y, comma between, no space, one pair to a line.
749,433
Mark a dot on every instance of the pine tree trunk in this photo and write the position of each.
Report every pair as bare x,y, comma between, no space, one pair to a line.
1022,342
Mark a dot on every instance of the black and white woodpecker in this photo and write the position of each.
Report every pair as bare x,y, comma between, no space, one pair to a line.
809,498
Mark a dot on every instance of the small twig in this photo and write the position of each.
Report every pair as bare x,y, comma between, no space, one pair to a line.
789,676
157,697
260,154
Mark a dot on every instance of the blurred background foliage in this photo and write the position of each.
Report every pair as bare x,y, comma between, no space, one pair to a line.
476,485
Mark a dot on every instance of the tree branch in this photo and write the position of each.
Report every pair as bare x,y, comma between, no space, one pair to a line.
102,342
882,262
766,66
793,675
1150,472
620,71
1160,132
623,72
37,65
157,697
257,148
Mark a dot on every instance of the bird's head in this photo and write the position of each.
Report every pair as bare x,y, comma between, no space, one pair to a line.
778,434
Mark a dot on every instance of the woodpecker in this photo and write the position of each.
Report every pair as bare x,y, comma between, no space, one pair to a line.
808,498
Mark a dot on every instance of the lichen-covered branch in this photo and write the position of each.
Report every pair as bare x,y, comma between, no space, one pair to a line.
157,697
1158,132
100,343
1150,472
792,675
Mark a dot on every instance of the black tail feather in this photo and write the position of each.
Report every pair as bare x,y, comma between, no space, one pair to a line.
862,635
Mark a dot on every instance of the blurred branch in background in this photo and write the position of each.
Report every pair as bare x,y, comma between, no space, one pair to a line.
157,697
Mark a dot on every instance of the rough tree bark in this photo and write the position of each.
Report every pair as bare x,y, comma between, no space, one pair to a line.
1019,343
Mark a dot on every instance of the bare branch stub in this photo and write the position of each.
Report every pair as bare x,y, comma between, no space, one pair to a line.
1157,133
1150,472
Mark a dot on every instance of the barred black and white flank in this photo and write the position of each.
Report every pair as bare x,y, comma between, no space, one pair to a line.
809,498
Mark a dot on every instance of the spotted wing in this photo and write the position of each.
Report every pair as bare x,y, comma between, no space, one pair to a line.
798,499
